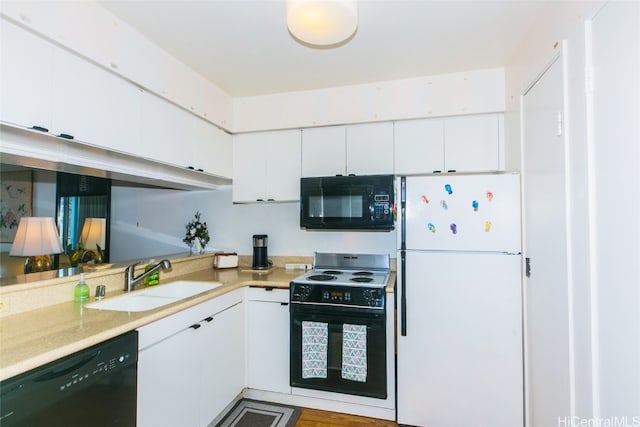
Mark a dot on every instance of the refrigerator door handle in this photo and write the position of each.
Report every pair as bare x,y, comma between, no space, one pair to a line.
403,296
403,256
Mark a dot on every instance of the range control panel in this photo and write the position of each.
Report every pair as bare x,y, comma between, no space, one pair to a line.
352,296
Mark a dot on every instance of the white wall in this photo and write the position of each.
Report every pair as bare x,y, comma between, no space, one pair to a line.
614,143
604,189
147,221
557,20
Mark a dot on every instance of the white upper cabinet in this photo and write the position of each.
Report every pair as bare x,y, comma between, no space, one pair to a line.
174,136
214,151
26,78
370,149
341,150
266,166
473,143
418,146
460,144
92,105
324,151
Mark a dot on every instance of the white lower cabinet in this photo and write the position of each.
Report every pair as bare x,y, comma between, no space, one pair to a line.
268,340
191,364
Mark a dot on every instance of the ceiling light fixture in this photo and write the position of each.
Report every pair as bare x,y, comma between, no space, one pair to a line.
322,23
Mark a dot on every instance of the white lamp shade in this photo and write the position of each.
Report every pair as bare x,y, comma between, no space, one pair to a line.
36,236
322,22
93,233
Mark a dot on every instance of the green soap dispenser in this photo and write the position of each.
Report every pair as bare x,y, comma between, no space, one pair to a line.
81,290
153,278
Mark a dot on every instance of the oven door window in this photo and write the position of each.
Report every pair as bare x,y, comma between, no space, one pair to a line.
370,381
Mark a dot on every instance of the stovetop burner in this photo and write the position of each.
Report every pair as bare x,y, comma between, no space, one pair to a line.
321,277
350,270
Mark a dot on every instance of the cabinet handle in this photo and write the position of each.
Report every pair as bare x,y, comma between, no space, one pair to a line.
200,170
284,304
39,128
190,167
451,170
65,136
269,288
208,319
195,326
271,200
259,200
437,171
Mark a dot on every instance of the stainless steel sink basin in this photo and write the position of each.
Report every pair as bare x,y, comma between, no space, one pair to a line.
150,298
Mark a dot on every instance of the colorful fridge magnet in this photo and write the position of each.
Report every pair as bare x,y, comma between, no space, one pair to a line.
444,205
448,189
453,228
475,205
431,227
489,196
487,226
424,199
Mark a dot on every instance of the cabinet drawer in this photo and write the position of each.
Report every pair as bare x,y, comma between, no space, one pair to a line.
268,294
164,328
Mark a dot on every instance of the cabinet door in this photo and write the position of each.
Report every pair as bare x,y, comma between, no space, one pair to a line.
268,344
160,134
249,168
92,104
168,381
266,166
370,149
283,166
222,352
418,146
473,143
215,150
324,151
26,78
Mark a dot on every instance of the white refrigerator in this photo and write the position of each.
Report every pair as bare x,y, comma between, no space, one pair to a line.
460,301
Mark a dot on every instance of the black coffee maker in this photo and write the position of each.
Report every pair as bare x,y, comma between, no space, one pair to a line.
260,258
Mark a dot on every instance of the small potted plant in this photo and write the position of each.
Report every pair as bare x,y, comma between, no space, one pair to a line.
196,235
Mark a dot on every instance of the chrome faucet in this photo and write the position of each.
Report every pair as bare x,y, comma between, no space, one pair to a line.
129,279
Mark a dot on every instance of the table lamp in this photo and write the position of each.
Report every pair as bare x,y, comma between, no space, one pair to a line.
93,237
36,238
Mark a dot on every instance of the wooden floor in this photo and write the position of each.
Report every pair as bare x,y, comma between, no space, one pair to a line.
317,418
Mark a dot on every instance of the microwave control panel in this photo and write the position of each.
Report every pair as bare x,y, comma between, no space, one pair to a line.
381,205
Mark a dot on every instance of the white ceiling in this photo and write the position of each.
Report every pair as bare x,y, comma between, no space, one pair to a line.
243,46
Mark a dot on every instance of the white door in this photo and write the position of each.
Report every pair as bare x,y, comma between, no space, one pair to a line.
460,363
547,288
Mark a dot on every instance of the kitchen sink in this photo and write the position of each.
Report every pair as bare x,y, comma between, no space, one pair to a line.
154,297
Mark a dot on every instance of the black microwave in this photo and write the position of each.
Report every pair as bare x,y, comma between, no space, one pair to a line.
347,202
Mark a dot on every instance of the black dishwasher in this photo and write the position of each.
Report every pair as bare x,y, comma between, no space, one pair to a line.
94,387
